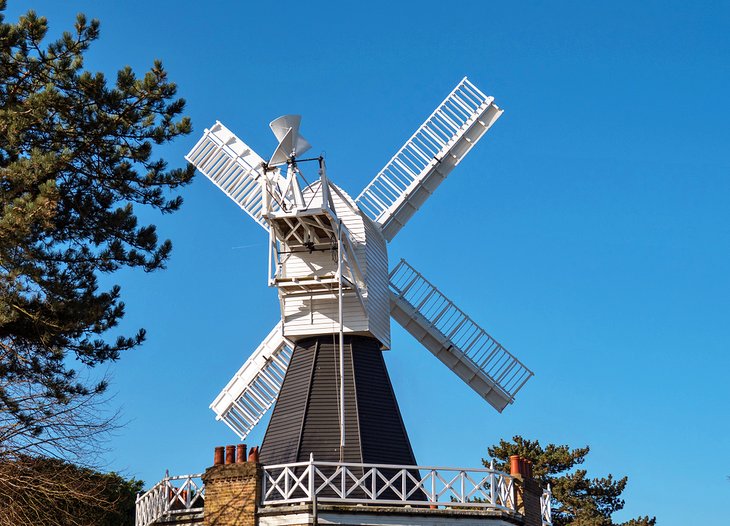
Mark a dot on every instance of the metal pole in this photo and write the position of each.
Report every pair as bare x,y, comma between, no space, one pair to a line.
342,345
271,253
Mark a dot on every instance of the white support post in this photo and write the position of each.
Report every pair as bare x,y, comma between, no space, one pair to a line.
271,254
342,343
311,477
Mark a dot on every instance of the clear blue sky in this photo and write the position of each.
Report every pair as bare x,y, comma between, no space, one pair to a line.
588,231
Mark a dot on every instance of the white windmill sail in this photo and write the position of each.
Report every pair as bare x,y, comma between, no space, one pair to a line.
254,388
454,338
425,160
236,169
304,235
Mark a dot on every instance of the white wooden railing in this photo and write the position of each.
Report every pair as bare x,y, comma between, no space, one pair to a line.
171,496
348,483
546,511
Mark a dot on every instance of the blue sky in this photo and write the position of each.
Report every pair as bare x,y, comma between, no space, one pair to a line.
588,231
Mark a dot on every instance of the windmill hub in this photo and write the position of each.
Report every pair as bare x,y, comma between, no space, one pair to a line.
322,365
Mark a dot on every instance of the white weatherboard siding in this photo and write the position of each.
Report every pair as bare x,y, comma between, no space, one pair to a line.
308,317
378,301
305,264
317,313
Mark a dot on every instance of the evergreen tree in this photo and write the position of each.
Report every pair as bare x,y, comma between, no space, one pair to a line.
76,158
577,499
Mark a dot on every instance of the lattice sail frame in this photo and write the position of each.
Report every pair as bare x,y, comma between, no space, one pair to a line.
425,160
454,338
237,170
255,387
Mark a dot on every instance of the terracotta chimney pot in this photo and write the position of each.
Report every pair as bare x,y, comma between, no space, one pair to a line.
514,465
240,453
230,454
218,456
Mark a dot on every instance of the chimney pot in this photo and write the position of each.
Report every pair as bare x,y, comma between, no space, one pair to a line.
253,454
218,456
240,453
514,465
230,454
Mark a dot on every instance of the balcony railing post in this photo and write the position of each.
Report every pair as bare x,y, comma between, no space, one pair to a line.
374,484
462,497
286,482
310,468
432,496
343,480
166,493
546,507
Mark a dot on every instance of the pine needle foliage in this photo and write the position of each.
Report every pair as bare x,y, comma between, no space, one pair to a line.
76,158
577,499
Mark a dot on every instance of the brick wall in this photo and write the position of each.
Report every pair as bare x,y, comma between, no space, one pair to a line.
232,494
528,491
531,493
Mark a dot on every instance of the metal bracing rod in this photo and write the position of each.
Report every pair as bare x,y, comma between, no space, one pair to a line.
271,254
342,343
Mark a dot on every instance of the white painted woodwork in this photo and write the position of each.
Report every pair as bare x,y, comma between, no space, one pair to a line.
428,157
384,517
454,338
252,391
308,285
234,168
348,484
312,225
181,495
376,278
355,494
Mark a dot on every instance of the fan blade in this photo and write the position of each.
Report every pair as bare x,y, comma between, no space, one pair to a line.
281,125
293,144
441,142
234,168
254,388
301,145
284,151
454,338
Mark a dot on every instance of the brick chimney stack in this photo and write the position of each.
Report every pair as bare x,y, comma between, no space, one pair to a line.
232,487
528,491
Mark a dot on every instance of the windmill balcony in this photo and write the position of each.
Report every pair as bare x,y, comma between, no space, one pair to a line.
238,492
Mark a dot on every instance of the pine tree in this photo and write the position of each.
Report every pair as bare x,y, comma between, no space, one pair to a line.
76,158
577,499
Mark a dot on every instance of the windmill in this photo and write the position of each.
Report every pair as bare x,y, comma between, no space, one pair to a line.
321,366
